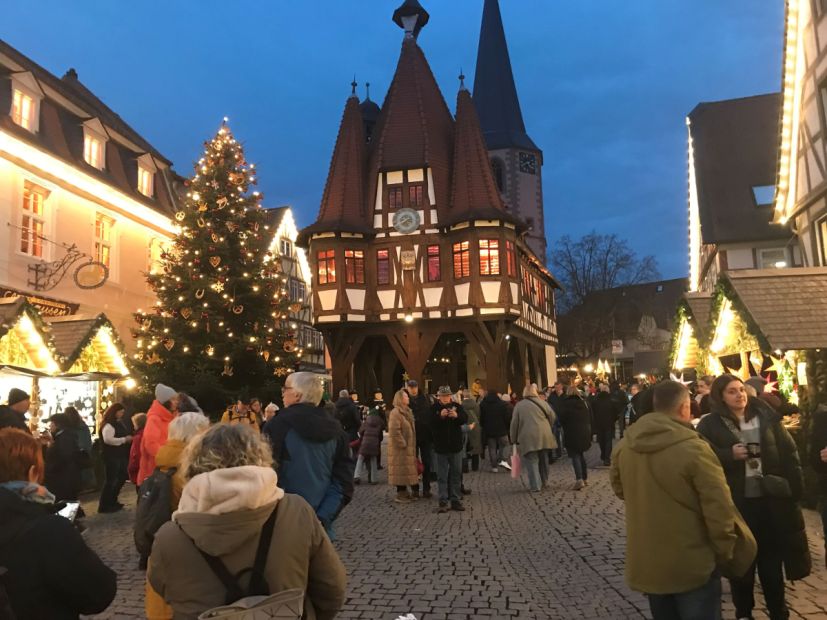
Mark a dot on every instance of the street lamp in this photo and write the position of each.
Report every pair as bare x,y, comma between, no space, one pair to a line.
409,318
588,368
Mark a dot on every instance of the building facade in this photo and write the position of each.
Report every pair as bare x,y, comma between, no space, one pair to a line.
420,269
296,268
85,201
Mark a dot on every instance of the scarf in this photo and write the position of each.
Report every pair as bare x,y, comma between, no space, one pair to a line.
29,491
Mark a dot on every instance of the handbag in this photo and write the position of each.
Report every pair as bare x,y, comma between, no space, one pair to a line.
516,464
420,467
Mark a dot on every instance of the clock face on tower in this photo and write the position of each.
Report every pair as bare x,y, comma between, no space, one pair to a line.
406,221
528,163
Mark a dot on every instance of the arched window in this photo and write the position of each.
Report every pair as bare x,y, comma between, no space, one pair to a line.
499,174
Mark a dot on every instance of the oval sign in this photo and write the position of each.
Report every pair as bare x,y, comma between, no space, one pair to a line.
91,275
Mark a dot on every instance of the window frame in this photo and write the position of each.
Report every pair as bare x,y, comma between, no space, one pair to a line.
510,259
354,266
326,264
461,250
91,138
27,122
394,190
433,254
146,181
761,262
416,195
28,216
490,257
104,243
821,240
383,258
285,247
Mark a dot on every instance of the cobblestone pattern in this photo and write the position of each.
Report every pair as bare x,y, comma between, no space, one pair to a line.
512,554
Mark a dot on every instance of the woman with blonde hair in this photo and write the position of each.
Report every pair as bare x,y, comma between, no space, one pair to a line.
231,503
402,471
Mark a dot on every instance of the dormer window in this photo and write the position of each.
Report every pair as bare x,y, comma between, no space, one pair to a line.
286,248
23,109
93,151
146,181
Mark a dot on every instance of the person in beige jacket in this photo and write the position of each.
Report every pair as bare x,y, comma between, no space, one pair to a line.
402,471
682,528
230,493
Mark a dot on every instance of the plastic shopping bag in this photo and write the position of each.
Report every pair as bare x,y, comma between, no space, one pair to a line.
516,466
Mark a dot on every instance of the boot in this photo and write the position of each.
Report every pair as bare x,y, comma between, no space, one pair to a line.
402,497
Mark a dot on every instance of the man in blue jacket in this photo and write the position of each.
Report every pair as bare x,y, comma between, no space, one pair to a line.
310,449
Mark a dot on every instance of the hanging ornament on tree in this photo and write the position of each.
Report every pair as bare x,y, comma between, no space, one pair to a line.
199,294
282,371
236,178
201,222
186,312
215,261
202,207
214,237
266,355
238,309
232,227
289,345
217,286
221,202
180,215
169,343
228,370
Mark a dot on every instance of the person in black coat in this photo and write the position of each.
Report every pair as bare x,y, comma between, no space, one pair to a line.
63,460
447,419
116,442
818,459
605,410
421,408
348,415
13,415
575,419
495,423
761,464
51,573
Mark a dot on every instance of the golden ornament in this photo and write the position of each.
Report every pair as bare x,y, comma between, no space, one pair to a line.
201,222
231,226
236,178
199,294
202,207
153,359
215,261
266,355
168,344
228,370
238,309
214,237
282,371
290,345
186,312
295,307
221,202
180,215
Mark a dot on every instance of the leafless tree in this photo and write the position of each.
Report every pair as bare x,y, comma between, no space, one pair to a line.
596,262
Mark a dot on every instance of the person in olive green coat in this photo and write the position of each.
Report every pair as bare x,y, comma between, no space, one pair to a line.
682,527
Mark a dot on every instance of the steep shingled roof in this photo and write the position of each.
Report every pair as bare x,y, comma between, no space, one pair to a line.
474,192
415,128
735,148
495,92
343,202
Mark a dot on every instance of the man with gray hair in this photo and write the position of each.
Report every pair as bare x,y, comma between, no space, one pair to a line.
682,528
348,415
311,452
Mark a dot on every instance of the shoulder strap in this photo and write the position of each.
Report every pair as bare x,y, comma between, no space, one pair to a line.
234,591
258,584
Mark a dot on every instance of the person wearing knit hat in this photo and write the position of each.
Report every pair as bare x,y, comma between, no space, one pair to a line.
14,414
158,418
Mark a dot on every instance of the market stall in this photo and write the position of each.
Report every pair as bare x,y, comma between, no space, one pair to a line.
61,361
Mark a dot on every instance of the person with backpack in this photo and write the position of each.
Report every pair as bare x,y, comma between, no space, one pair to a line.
50,572
236,533
168,464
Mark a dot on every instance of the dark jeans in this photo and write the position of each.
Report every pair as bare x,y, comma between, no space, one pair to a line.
703,603
578,461
497,450
426,455
756,512
116,475
449,472
604,439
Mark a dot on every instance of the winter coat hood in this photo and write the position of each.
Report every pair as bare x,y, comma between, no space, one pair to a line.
169,455
311,423
655,433
222,509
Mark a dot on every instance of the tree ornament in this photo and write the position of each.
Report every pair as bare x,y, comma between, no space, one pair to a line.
221,202
217,286
214,237
199,294
186,312
215,261
180,215
210,350
295,307
266,355
201,222
238,309
169,343
202,207
289,346
232,227
236,178
228,370
282,371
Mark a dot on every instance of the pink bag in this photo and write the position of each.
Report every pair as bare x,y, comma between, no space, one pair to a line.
516,467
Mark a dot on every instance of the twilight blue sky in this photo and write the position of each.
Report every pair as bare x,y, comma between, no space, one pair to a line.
605,86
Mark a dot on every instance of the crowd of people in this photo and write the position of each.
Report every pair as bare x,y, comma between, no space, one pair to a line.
711,481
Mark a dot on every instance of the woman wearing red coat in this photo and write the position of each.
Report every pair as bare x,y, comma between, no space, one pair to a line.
138,423
158,418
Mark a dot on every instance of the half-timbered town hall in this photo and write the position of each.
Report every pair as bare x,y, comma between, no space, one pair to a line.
425,250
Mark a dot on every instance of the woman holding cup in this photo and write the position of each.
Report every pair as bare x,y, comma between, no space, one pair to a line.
763,470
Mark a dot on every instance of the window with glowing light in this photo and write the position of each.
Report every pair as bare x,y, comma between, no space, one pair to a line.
511,259
286,247
298,290
415,195
103,239
383,267
33,219
23,109
93,151
772,258
489,257
354,267
434,264
822,241
156,249
462,260
326,267
145,181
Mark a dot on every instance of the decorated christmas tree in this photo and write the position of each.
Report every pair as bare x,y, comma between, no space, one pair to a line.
221,322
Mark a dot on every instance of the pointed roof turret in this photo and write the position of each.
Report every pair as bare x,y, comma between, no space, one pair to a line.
343,202
415,128
495,92
474,193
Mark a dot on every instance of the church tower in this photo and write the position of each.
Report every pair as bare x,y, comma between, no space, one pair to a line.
515,159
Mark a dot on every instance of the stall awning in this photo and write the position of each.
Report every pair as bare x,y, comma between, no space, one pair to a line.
784,309
71,347
690,331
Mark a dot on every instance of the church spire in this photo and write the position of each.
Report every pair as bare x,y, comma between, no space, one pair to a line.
495,93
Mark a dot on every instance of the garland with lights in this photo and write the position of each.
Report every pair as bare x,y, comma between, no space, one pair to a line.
223,308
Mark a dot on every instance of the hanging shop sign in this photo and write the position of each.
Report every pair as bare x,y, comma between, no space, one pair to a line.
46,306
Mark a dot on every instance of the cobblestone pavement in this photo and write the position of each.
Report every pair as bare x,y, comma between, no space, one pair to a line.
512,554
